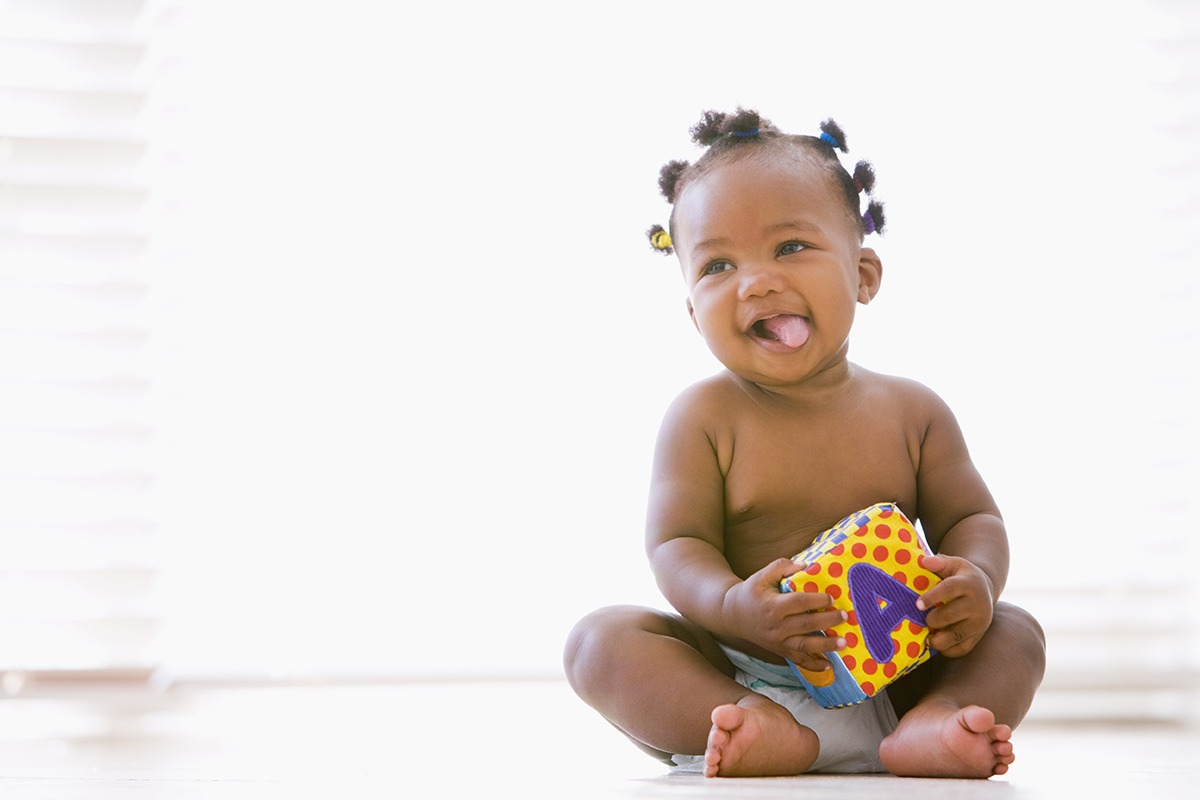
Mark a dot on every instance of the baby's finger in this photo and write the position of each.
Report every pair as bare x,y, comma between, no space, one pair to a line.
812,663
938,595
806,602
814,622
942,566
814,644
777,570
947,615
951,642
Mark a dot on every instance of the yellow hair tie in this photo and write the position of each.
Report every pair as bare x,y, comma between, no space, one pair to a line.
660,239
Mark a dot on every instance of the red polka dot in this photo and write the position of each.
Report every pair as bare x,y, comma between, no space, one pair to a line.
835,569
810,587
921,561
838,550
880,553
859,550
849,661
920,583
884,513
903,556
889,670
901,576
861,531
852,617
851,639
904,535
868,688
869,666
883,531
833,591
915,629
813,569
895,646
913,649
830,632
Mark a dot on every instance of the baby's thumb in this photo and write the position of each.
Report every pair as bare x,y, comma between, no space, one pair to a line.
935,564
780,568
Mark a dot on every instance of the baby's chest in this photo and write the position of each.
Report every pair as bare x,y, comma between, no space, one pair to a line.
812,474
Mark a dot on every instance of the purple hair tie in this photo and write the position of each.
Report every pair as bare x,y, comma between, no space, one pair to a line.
868,222
747,134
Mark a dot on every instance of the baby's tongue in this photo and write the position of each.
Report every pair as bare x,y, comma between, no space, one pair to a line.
791,331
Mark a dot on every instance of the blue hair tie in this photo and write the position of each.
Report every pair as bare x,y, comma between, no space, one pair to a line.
746,134
868,222
825,137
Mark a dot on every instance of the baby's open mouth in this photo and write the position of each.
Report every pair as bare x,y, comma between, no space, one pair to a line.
787,329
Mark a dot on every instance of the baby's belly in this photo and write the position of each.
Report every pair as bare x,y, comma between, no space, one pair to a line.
756,540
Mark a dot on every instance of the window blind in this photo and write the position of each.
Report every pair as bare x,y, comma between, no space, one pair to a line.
77,466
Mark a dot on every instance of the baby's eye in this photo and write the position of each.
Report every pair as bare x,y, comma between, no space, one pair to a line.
715,267
788,248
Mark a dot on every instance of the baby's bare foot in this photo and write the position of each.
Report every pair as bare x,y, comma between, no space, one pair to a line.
937,740
758,737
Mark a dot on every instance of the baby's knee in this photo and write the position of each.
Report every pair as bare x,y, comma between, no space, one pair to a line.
1022,630
600,634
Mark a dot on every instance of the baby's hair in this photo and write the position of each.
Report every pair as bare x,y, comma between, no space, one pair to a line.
864,177
746,131
873,219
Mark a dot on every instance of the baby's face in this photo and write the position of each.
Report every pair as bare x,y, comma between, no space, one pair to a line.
774,267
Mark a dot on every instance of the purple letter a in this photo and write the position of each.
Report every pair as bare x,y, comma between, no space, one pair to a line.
881,603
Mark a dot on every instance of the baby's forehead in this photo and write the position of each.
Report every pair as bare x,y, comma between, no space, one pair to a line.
761,191
791,164
775,177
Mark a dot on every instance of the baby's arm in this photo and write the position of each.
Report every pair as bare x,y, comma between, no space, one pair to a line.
685,541
964,527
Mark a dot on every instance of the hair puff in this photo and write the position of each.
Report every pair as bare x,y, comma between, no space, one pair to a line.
834,132
864,176
874,220
709,129
668,178
744,122
716,125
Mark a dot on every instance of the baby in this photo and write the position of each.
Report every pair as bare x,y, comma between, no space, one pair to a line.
754,462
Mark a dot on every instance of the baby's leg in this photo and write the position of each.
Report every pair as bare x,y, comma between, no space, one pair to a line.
667,685
962,720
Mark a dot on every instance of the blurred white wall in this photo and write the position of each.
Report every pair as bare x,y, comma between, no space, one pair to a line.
422,347
413,347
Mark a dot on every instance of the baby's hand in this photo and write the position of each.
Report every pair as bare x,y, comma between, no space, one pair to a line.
788,624
959,609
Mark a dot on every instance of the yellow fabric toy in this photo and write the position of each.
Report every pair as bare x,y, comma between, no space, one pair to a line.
871,564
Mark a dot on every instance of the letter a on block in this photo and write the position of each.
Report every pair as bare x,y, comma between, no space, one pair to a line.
881,603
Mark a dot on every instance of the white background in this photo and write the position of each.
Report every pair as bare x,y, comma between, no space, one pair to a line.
413,348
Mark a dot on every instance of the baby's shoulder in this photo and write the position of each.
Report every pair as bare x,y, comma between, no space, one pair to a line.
705,397
905,394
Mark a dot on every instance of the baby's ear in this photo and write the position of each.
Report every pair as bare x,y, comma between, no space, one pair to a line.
870,275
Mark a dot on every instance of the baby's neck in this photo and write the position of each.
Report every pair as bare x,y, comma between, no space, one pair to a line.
826,386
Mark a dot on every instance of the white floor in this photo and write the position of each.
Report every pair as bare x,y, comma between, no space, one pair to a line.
526,740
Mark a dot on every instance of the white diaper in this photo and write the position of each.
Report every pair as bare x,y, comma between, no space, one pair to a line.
849,736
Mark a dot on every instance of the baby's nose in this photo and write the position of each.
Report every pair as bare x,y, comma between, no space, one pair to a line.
759,281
